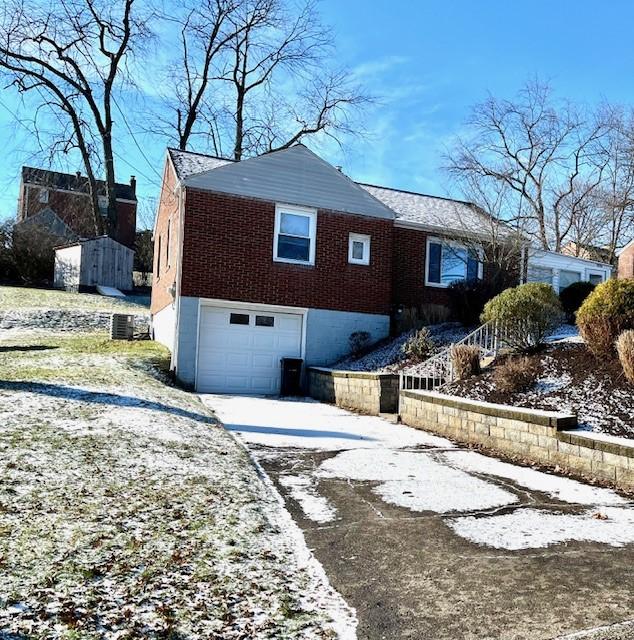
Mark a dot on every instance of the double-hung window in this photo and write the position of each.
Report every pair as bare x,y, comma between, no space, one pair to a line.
449,262
294,239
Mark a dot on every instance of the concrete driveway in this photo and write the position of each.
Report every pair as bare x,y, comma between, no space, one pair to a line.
426,539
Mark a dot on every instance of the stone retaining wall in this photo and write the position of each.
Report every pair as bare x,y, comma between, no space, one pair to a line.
371,393
546,437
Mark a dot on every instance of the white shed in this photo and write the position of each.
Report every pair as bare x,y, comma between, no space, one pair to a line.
561,270
97,261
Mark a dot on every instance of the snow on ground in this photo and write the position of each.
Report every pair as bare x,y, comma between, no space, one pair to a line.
126,512
309,424
303,491
388,357
536,528
416,481
564,489
425,473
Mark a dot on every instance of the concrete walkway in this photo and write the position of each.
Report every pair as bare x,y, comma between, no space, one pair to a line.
427,539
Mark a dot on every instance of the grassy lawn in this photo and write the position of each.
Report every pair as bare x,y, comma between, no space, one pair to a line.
14,298
127,512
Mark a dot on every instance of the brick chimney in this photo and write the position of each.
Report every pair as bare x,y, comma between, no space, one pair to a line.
133,184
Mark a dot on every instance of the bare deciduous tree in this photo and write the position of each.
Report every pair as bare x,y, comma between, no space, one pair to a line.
71,54
548,155
255,78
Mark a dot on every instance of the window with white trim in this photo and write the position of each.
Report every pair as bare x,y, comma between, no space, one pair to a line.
595,278
449,262
43,196
358,248
294,239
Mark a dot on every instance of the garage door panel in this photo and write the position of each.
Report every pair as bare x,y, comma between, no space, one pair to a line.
245,358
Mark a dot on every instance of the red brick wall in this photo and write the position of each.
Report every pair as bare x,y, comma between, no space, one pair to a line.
626,263
74,210
167,213
228,254
410,247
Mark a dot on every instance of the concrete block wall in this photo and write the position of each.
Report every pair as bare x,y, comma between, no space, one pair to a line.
548,438
370,393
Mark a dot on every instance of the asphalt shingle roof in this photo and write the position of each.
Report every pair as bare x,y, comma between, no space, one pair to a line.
188,163
72,182
443,214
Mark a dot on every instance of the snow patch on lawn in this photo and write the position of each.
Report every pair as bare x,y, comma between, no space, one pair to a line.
535,529
557,487
415,481
314,506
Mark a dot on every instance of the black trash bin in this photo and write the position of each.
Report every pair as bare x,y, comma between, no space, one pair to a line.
291,377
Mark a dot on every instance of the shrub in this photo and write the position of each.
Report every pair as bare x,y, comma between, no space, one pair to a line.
419,346
573,296
515,374
465,360
528,313
625,349
605,313
33,251
359,341
467,300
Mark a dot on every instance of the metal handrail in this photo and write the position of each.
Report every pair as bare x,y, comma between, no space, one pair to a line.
438,370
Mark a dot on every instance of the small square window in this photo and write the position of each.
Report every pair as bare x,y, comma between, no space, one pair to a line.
43,196
595,278
264,321
359,249
239,318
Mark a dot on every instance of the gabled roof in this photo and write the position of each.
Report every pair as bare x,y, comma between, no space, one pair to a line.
48,219
292,176
72,182
432,212
189,163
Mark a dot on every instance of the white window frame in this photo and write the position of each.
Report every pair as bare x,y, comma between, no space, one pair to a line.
365,241
43,196
451,243
311,214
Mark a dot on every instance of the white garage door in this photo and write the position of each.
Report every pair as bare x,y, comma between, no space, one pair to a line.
239,350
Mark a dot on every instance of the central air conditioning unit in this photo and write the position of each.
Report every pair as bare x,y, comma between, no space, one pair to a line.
121,326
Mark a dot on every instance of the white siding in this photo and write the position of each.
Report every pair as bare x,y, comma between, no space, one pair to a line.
67,267
543,263
164,326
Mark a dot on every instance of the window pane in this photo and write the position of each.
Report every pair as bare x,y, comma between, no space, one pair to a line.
264,321
454,264
239,318
596,278
295,225
566,278
434,262
357,250
293,248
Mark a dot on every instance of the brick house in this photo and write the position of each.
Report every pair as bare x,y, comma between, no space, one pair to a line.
626,261
60,202
284,256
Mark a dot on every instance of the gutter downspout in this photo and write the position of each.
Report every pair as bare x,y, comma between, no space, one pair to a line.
177,283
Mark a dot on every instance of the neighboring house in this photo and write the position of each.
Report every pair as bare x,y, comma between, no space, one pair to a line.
283,255
560,271
626,261
587,252
60,202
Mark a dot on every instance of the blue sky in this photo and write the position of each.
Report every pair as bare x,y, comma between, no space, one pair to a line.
429,62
